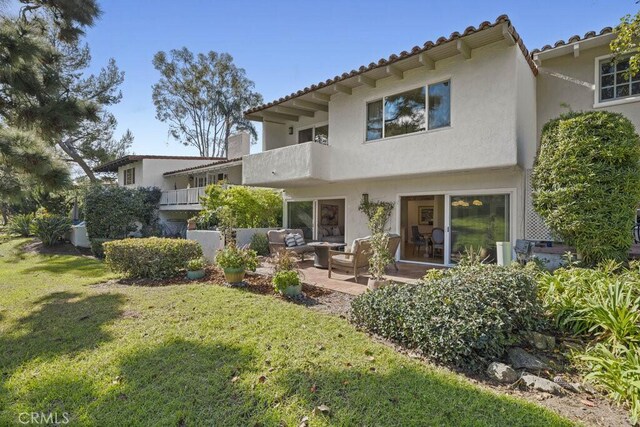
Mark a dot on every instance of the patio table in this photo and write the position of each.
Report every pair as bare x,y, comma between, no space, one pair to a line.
321,259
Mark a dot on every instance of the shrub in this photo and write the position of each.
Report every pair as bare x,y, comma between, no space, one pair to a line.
97,248
465,316
586,182
380,256
112,212
20,224
260,244
196,264
602,304
283,279
51,228
232,257
152,257
252,207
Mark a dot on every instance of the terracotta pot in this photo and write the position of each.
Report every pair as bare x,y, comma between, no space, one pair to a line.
292,291
234,275
191,224
374,284
196,274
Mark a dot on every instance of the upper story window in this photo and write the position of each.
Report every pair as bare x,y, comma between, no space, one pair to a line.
130,176
408,112
614,81
318,134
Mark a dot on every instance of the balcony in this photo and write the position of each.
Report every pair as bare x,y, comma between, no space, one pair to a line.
293,165
183,199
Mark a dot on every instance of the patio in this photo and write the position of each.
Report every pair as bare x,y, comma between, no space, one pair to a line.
342,282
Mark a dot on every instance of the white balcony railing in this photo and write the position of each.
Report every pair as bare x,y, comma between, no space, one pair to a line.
184,196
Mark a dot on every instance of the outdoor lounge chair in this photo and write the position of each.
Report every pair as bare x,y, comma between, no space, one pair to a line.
276,242
358,256
352,260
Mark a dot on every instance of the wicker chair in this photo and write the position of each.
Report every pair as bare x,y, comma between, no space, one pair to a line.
353,260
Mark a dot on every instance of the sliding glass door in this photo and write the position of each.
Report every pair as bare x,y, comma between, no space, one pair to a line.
476,223
300,215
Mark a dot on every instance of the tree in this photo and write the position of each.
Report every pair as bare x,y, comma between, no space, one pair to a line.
203,97
628,40
92,142
586,182
251,207
32,111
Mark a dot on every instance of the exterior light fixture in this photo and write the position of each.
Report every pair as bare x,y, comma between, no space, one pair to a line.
290,130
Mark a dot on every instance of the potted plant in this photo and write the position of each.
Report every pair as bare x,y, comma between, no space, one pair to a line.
192,223
195,268
380,256
287,283
286,279
235,262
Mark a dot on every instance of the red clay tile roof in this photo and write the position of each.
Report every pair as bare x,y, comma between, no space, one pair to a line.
237,159
502,19
573,39
113,165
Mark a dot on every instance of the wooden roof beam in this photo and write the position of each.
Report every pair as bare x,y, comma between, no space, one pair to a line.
300,103
342,88
463,48
427,61
294,111
365,80
323,97
280,116
394,71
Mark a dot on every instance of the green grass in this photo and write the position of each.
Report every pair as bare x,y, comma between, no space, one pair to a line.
124,355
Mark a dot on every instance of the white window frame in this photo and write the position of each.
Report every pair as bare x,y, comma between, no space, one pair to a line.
313,132
596,87
133,176
426,109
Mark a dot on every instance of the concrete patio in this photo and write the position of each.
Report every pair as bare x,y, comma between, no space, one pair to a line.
342,282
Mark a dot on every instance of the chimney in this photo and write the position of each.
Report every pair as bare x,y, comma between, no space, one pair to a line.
239,144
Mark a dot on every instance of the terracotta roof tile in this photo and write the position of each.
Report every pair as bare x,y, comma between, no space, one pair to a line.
573,39
237,159
403,55
113,165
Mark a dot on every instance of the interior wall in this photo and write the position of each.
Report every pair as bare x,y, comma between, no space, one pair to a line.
339,203
411,214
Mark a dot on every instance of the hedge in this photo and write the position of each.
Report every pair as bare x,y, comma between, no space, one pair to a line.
152,258
466,316
586,182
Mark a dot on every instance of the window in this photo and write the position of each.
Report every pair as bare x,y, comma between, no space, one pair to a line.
305,135
440,105
322,135
406,112
374,120
614,83
130,176
318,134
201,181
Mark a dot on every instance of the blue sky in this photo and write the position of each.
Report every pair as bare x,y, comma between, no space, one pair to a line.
287,45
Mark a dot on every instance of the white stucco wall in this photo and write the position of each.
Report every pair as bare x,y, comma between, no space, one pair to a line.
487,123
154,169
567,82
392,189
138,178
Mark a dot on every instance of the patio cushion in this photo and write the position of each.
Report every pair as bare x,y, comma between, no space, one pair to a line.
299,239
290,240
344,260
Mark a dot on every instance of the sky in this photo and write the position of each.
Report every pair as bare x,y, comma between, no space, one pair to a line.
285,46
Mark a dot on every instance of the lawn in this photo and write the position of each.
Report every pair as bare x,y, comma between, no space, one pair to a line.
205,354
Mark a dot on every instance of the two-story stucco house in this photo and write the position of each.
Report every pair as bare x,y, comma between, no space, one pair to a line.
448,131
182,179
